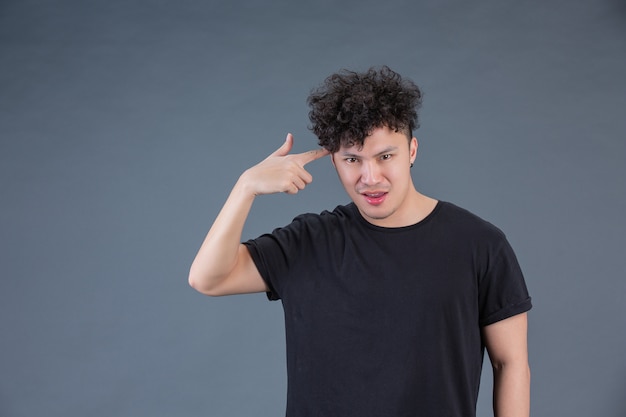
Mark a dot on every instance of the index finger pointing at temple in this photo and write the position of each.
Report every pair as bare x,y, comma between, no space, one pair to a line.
311,156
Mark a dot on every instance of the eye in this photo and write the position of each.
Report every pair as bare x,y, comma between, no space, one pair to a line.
386,156
351,160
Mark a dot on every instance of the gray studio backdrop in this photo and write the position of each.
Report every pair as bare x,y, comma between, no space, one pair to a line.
123,125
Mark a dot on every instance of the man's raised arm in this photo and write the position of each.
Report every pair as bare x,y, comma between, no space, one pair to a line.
223,265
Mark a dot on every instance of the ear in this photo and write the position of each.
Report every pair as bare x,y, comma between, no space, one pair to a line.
413,149
332,159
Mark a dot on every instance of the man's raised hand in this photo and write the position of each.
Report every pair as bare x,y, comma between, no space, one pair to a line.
282,172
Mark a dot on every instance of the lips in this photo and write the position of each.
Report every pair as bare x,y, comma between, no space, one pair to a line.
374,198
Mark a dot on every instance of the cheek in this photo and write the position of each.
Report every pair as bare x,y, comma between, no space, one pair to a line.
395,175
346,175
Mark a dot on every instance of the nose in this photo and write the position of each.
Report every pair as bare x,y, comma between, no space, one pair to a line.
370,173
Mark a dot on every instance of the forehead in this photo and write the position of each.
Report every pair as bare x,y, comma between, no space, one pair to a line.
379,141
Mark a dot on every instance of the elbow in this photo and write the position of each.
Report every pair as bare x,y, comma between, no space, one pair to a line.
192,279
519,368
197,283
193,282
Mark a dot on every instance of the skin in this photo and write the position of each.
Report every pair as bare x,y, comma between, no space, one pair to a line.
377,178
223,265
507,346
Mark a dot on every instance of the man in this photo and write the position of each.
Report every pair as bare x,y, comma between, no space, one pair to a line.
390,300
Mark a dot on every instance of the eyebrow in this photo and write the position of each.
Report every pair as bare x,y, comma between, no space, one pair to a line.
383,152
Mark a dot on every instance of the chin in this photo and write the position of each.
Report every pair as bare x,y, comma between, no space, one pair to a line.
377,214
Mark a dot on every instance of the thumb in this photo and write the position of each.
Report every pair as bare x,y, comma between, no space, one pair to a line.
285,147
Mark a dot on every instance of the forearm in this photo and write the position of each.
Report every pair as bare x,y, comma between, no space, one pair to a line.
511,390
218,254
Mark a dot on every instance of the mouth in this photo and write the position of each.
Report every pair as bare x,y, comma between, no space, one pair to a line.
374,198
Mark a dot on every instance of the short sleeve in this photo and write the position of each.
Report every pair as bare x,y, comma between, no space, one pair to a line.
272,254
261,265
502,291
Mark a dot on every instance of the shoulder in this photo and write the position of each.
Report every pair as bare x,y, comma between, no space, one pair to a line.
308,231
341,214
465,222
315,225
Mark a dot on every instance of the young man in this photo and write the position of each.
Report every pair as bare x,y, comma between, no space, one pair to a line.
390,300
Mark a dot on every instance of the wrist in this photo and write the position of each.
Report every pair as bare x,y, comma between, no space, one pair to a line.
245,185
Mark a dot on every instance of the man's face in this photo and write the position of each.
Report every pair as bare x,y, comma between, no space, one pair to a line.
377,177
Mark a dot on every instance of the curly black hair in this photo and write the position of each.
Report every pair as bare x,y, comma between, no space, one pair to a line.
349,105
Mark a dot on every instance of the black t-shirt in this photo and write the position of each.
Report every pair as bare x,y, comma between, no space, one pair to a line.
386,321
